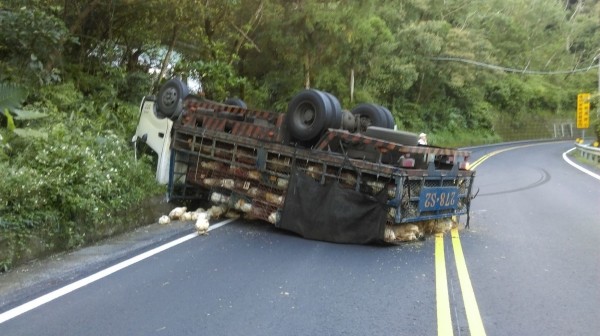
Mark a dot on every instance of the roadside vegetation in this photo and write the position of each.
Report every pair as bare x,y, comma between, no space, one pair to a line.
71,77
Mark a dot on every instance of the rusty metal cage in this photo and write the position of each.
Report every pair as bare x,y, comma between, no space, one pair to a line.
253,177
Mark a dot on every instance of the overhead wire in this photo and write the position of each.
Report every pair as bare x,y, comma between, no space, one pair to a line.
506,69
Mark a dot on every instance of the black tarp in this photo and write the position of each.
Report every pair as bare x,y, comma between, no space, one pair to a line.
331,213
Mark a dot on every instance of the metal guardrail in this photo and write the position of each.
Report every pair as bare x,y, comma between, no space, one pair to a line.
589,152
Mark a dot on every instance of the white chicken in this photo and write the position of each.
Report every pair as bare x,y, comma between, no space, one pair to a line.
274,198
348,179
273,217
391,190
216,211
232,214
177,213
211,165
314,171
255,192
377,186
254,175
392,212
202,223
163,220
211,181
227,183
187,216
216,197
282,183
243,206
389,235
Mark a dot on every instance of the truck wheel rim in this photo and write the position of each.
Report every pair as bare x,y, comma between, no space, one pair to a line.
169,97
305,114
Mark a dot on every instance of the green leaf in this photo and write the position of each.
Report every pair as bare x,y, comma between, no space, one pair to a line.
30,133
28,115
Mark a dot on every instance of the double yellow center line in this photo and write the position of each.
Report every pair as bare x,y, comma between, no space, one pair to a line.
490,154
444,315
487,156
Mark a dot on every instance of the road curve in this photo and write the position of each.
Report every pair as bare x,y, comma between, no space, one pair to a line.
534,246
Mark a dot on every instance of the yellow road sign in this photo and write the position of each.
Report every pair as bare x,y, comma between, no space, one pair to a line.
583,110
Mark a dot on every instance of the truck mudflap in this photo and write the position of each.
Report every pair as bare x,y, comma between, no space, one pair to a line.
317,194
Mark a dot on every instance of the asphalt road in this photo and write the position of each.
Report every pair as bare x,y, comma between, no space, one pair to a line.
534,251
531,257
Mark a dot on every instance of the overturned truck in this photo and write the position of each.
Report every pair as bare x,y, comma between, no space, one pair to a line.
317,170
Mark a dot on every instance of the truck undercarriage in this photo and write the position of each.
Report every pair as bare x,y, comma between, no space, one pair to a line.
316,170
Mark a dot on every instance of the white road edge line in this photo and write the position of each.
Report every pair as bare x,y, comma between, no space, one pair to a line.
592,174
99,275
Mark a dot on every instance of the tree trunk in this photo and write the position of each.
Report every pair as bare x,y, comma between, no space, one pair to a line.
167,59
420,88
306,71
244,34
352,85
75,26
132,60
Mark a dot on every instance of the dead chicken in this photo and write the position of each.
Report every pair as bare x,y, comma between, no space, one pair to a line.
444,225
407,232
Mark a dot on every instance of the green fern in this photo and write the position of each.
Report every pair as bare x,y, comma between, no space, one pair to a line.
11,96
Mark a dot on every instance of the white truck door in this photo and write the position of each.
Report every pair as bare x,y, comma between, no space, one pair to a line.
156,133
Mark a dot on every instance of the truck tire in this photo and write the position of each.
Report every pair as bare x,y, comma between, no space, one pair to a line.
369,115
336,108
309,114
235,102
170,99
389,116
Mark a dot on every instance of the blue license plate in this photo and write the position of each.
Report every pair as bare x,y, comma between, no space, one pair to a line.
438,198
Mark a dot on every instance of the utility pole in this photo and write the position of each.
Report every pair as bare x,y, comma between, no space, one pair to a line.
598,94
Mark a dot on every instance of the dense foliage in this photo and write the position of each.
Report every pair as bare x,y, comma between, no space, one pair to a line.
71,74
66,172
